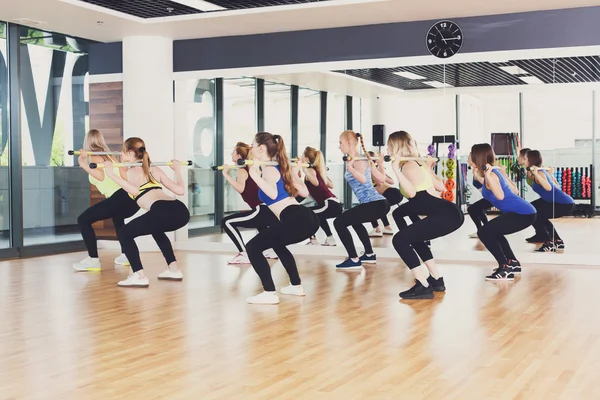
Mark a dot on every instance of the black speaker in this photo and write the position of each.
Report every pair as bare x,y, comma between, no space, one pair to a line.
378,135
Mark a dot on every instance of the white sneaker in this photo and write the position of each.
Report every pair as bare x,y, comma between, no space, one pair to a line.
241,258
330,241
293,290
264,298
134,280
122,260
313,241
374,233
473,236
89,264
169,275
270,254
388,231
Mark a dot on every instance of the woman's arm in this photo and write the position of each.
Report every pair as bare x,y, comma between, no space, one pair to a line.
541,179
131,185
409,173
438,183
97,173
493,182
267,180
378,175
357,172
175,186
329,183
299,183
238,184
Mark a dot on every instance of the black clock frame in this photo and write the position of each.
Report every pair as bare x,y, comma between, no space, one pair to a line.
453,36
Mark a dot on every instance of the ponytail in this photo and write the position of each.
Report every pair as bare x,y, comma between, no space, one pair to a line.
362,145
319,163
145,162
284,166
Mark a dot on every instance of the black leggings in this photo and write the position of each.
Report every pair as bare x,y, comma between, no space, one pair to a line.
259,219
118,207
492,234
393,196
477,212
331,209
163,216
547,211
296,223
442,218
355,217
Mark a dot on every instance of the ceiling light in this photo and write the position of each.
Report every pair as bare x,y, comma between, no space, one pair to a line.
514,70
532,80
437,84
29,22
409,75
200,5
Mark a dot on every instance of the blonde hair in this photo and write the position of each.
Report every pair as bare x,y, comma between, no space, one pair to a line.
94,142
355,137
399,144
138,146
315,157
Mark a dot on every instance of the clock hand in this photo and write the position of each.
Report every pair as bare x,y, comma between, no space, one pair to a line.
438,29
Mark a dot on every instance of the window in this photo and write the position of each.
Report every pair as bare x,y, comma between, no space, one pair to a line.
4,115
200,123
278,111
336,114
53,69
239,113
309,119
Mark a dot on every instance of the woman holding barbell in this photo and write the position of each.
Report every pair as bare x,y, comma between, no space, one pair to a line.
319,187
278,185
386,188
553,203
517,213
259,217
373,205
164,213
116,205
442,217
477,210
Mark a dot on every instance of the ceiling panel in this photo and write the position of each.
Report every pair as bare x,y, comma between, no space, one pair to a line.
583,69
165,8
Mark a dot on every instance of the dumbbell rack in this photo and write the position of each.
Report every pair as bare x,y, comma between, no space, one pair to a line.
578,182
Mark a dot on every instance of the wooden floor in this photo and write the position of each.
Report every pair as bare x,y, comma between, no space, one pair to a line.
66,335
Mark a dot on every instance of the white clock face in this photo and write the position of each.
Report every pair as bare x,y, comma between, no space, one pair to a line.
444,39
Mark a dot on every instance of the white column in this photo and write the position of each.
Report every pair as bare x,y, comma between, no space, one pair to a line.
148,109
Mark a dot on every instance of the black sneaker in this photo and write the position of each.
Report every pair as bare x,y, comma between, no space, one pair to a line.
547,247
501,274
514,266
417,292
559,245
535,239
436,284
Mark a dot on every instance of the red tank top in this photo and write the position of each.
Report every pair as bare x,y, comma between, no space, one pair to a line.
321,192
250,193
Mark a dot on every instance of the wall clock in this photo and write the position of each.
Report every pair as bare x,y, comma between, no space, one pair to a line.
444,39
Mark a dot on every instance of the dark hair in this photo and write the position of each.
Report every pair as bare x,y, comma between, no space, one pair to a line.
276,149
138,146
535,158
524,152
482,154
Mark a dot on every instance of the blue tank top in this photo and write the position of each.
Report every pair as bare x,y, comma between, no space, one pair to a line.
511,202
282,194
477,184
551,196
364,192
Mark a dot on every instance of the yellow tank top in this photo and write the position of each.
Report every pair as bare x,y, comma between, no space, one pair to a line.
425,184
107,186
